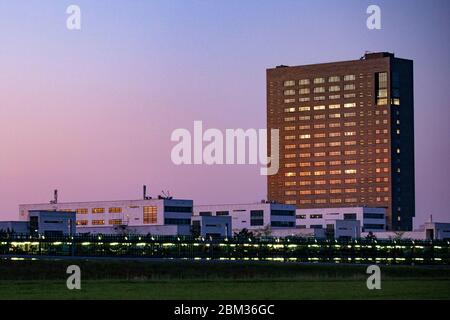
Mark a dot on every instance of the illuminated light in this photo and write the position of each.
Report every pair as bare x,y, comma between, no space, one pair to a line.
113,243
85,243
438,259
57,243
168,244
437,247
141,244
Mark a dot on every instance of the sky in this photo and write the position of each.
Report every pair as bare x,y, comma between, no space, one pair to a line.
90,112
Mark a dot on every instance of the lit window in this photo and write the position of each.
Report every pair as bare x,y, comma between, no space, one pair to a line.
319,80
304,91
334,79
289,83
303,82
349,77
319,89
289,92
98,210
150,214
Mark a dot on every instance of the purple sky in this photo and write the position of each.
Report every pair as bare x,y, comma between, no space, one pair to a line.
90,112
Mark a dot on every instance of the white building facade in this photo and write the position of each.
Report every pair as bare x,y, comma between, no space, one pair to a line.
370,219
150,216
253,217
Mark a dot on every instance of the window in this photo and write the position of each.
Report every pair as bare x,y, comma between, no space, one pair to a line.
319,89
334,106
334,97
222,213
115,210
289,100
205,213
289,83
115,222
98,222
319,107
289,92
82,211
303,99
349,216
150,214
289,109
283,213
304,108
349,77
350,105
349,87
303,82
368,215
98,210
256,217
315,216
319,80
305,136
82,222
289,174
319,98
177,209
303,91
177,221
334,89
381,88
334,79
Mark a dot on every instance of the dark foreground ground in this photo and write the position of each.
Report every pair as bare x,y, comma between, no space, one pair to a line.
138,279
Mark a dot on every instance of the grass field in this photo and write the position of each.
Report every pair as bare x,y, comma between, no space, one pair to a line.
119,279
226,289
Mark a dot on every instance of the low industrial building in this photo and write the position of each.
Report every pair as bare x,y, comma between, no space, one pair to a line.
260,218
14,227
428,231
43,222
211,226
161,216
369,218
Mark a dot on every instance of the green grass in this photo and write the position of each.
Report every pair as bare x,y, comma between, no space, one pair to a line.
174,279
227,289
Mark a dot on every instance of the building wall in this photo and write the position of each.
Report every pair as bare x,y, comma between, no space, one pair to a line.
310,218
214,225
18,227
53,222
342,150
161,230
241,215
123,212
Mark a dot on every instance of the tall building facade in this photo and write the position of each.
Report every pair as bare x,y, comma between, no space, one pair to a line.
346,135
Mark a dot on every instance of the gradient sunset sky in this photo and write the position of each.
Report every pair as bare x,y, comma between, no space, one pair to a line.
91,112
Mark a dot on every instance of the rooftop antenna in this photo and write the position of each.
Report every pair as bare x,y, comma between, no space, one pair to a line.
166,195
145,193
55,197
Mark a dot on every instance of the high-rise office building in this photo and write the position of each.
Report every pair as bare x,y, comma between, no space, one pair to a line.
346,135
